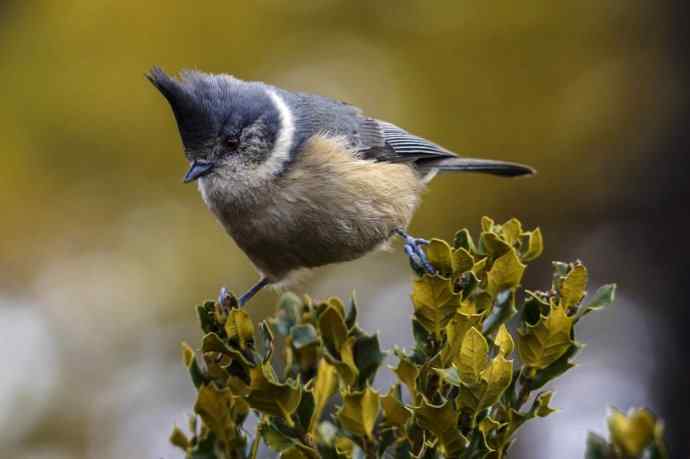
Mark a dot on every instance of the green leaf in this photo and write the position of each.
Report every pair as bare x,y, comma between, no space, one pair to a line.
632,432
598,448
442,421
473,357
323,388
359,412
542,344
218,409
450,375
502,312
333,330
434,302
463,239
367,357
604,296
455,333
407,373
394,411
573,286
504,341
506,273
512,230
492,245
287,445
266,340
535,246
351,319
541,404
440,256
462,260
557,368
187,354
494,380
239,328
271,397
179,439
487,224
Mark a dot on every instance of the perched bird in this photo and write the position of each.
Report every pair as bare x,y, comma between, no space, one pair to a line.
300,180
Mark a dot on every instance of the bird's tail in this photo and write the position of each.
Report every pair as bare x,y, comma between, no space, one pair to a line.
486,166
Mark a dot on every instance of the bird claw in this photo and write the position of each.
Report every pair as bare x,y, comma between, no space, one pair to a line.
418,259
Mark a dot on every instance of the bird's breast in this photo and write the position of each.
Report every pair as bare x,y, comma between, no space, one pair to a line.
328,207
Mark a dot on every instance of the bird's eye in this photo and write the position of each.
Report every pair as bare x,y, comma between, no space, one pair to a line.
231,142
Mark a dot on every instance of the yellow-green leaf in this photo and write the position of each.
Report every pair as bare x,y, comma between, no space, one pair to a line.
487,224
187,354
494,380
359,411
542,344
473,356
442,421
239,327
216,408
272,397
493,245
179,439
394,411
632,433
504,341
455,333
407,373
506,272
573,286
512,230
535,246
323,388
440,256
479,268
542,408
462,260
333,330
434,302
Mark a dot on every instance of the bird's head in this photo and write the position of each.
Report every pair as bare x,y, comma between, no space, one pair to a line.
230,128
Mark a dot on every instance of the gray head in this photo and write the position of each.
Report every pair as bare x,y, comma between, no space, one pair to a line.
229,127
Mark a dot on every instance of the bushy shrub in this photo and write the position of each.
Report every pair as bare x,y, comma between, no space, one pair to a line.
463,391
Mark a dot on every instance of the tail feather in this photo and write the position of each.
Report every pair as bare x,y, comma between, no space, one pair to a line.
486,166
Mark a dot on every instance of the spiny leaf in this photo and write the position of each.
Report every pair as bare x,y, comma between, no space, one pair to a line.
271,397
494,380
333,330
463,239
359,411
535,246
504,341
604,296
462,260
542,344
407,373
434,302
394,411
179,439
573,286
505,273
323,388
442,421
473,356
239,327
455,333
631,432
512,229
440,256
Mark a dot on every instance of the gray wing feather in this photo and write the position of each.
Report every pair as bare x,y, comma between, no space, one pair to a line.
383,141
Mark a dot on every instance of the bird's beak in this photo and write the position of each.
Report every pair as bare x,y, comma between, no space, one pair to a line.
198,169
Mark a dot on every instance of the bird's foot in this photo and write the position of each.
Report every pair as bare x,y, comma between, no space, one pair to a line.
413,248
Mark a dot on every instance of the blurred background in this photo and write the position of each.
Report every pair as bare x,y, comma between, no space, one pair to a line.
104,252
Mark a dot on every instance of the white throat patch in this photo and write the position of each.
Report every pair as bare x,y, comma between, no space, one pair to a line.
280,155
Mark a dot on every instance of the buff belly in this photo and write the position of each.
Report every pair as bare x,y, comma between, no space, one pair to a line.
329,207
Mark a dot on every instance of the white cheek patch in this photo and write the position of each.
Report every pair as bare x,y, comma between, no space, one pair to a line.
280,155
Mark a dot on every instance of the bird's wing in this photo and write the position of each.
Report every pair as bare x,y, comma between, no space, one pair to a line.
382,141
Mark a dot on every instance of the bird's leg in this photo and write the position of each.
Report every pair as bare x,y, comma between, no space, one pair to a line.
249,294
413,249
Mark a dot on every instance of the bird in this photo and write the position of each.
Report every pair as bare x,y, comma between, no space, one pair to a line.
301,180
